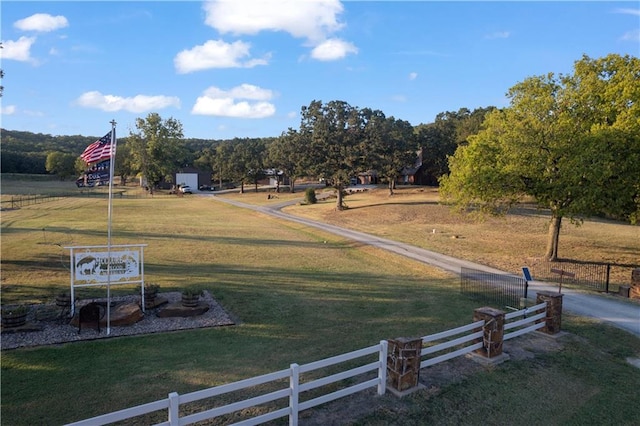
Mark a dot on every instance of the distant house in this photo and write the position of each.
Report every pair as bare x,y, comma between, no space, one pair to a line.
368,178
418,173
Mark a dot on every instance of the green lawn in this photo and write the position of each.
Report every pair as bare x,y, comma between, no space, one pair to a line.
300,295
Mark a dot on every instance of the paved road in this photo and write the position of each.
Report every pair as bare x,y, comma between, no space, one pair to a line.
620,313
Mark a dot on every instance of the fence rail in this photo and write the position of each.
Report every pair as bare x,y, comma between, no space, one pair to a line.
497,289
293,391
473,337
528,323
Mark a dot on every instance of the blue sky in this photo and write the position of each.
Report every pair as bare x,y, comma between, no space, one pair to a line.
244,68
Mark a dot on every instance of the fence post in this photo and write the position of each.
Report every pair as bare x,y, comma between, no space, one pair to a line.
382,368
553,322
174,409
493,331
608,276
403,363
294,383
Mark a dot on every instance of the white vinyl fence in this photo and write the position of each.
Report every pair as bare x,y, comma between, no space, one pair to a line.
450,344
444,346
531,320
292,392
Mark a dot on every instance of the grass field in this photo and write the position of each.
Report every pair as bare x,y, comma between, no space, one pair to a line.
300,295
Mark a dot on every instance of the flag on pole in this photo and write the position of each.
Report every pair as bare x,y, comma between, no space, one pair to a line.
99,150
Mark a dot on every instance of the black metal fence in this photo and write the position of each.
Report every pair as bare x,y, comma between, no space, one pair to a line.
18,201
592,276
494,289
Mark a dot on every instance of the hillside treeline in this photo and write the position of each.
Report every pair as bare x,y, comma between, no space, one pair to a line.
26,152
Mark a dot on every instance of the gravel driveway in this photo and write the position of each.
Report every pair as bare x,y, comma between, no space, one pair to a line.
624,314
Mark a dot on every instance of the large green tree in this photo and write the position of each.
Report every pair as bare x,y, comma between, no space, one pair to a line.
440,139
156,147
571,142
246,162
61,164
388,145
332,133
287,153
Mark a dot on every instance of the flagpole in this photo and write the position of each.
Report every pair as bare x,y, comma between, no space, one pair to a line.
112,160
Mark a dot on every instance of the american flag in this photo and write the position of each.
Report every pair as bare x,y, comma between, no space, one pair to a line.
98,151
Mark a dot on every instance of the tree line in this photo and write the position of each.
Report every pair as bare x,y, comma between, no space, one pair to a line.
570,143
335,142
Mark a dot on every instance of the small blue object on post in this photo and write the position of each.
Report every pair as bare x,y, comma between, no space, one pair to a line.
526,274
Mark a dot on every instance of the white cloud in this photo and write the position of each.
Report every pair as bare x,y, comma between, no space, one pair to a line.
313,20
413,75
633,35
228,103
8,110
292,114
33,113
332,49
136,104
498,34
41,22
19,50
216,54
627,11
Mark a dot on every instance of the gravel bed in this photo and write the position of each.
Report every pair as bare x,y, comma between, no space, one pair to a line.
55,331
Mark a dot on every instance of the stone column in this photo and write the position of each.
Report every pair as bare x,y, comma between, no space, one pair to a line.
493,331
634,291
554,311
403,363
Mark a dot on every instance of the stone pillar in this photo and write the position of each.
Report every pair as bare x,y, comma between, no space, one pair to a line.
493,331
634,291
554,311
403,363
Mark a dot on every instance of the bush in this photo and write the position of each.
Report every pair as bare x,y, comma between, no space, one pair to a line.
310,196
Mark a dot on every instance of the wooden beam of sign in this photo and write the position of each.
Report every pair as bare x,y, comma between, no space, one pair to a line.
563,273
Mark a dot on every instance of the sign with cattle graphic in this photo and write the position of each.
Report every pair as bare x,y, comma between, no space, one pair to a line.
106,265
96,267
100,265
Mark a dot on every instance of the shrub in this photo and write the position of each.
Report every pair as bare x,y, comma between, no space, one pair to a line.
310,196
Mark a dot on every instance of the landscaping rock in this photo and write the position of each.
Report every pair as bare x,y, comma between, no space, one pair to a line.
179,310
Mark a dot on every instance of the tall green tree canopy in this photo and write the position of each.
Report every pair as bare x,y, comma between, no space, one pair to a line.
332,134
61,164
287,153
572,142
157,148
388,145
439,140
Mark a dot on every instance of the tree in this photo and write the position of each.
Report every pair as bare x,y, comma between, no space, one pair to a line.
222,161
60,164
124,165
571,142
156,148
439,140
332,134
287,153
389,145
246,161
